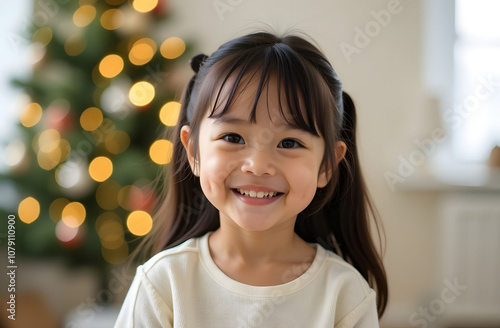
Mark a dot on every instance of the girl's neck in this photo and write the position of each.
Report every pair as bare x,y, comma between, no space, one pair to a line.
266,258
259,247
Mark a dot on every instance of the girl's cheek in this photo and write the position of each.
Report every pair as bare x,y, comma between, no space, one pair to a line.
215,172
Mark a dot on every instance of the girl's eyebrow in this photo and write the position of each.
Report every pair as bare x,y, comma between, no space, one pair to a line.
227,119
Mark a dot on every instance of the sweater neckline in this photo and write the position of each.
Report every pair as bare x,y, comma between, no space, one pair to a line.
249,290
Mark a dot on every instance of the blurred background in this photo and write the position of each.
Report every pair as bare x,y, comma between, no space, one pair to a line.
86,85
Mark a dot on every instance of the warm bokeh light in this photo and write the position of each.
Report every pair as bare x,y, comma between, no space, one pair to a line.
100,168
112,19
117,141
169,113
107,195
142,51
144,6
28,210
172,47
115,256
141,93
31,115
115,2
111,234
65,149
73,214
161,151
15,152
111,65
139,223
43,35
48,140
84,15
106,216
56,208
124,196
75,45
48,160
91,118
66,233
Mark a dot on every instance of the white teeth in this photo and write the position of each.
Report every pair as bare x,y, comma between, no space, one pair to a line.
255,194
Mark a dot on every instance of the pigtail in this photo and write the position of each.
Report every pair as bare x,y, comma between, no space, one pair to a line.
351,210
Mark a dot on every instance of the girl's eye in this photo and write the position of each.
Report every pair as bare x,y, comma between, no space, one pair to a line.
233,138
289,143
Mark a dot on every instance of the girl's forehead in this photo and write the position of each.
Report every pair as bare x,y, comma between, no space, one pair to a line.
238,101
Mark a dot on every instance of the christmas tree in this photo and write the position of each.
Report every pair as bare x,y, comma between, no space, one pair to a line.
102,87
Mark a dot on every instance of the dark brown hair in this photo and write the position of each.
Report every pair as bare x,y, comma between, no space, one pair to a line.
340,214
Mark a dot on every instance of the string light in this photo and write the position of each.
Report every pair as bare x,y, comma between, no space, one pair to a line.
48,160
117,142
111,234
15,153
56,208
142,51
172,47
75,45
115,2
124,196
139,223
66,233
161,151
31,115
73,214
111,65
141,93
28,210
84,15
144,6
169,113
65,149
100,168
48,140
91,118
107,195
112,19
115,256
43,36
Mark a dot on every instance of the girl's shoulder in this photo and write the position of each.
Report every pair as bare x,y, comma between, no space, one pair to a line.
344,273
185,252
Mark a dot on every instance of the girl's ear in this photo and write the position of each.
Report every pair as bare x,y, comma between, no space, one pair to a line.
187,142
326,172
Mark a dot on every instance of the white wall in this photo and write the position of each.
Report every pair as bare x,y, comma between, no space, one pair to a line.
385,80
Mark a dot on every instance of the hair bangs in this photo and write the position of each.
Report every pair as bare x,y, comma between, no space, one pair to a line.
299,88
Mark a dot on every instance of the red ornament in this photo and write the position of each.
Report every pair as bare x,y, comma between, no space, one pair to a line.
58,116
161,9
141,199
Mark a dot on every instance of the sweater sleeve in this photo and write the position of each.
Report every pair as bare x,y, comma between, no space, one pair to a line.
144,307
362,316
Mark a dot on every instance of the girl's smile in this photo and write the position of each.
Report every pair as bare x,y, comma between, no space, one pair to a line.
256,195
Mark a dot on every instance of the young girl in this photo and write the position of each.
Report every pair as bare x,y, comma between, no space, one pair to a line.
265,219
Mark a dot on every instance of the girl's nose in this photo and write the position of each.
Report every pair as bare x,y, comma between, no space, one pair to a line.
259,162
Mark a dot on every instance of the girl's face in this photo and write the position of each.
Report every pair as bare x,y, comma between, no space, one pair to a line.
259,175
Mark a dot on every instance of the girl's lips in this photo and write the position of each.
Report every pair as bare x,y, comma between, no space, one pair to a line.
255,200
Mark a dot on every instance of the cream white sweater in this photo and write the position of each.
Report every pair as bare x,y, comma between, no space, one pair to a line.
183,287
